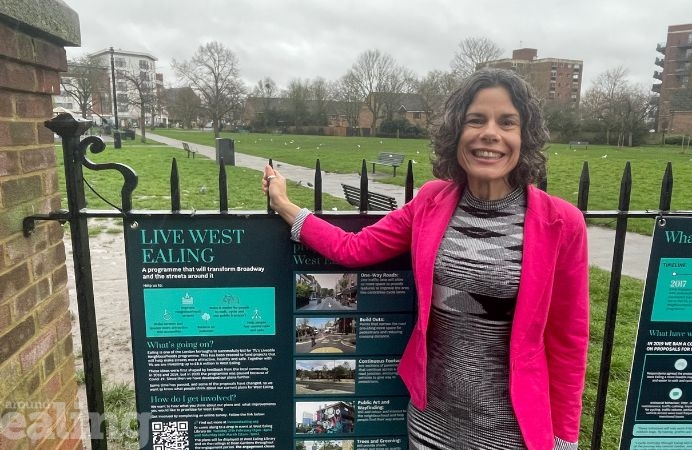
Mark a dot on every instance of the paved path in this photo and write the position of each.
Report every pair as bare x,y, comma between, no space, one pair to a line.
601,240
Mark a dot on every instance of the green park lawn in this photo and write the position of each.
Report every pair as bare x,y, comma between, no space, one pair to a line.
606,165
199,188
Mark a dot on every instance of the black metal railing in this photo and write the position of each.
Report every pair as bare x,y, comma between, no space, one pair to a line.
74,151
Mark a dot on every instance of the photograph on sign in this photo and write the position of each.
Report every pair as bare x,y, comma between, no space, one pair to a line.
325,376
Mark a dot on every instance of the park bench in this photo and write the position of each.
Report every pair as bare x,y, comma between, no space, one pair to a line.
127,133
577,144
189,151
388,159
376,202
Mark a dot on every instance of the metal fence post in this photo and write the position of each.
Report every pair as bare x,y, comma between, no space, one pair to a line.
70,129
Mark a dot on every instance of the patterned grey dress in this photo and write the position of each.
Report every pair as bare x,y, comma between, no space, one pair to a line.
476,281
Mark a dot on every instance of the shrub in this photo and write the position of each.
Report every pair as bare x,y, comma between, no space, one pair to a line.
401,128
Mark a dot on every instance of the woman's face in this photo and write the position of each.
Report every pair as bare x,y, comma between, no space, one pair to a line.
490,143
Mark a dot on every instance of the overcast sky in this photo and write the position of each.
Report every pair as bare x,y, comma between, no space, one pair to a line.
287,39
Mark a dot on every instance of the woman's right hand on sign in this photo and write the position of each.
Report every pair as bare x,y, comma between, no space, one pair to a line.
274,185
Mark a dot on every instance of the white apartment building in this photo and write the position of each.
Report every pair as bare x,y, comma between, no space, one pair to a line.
138,64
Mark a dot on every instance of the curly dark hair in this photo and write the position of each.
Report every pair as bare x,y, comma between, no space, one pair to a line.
534,134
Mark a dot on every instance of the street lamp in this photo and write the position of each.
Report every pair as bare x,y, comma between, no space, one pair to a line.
116,133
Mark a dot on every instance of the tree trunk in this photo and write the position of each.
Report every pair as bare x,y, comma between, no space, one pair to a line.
142,126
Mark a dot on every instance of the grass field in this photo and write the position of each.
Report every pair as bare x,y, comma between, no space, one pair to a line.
199,185
199,191
606,165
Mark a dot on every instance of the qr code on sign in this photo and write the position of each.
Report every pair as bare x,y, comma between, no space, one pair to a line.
170,435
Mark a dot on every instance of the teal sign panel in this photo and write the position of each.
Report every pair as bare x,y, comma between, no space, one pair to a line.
243,338
209,312
658,414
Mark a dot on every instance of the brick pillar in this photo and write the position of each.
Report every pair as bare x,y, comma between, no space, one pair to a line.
38,391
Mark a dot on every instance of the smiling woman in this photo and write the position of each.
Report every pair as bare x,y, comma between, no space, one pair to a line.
490,143
503,303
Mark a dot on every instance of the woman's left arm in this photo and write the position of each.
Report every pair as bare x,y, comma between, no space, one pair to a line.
567,330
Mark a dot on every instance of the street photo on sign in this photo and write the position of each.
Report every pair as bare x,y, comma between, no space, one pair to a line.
321,292
325,444
325,335
325,376
335,416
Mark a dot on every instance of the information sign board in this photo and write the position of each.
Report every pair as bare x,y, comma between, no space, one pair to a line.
659,402
244,339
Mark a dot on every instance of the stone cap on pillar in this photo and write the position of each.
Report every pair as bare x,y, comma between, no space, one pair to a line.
52,20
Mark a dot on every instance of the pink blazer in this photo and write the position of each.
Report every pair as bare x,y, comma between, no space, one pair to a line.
550,332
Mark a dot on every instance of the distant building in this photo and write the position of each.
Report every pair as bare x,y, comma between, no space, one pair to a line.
675,101
279,113
142,65
341,118
556,80
307,419
414,109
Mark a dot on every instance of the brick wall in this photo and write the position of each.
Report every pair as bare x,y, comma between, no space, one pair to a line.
681,122
38,390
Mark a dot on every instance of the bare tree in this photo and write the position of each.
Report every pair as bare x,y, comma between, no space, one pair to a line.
434,88
213,74
141,93
266,90
86,81
347,94
637,107
183,105
401,81
619,106
378,78
320,95
298,96
472,52
602,100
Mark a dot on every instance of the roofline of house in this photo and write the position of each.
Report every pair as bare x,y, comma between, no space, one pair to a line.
119,51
